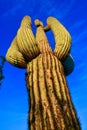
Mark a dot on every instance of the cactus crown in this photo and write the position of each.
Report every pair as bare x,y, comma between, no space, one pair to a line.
38,23
26,21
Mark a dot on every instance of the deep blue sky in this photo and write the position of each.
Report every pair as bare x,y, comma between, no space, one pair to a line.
13,94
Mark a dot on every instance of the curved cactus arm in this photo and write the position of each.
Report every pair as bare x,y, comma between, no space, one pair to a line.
41,37
14,56
26,41
24,46
62,37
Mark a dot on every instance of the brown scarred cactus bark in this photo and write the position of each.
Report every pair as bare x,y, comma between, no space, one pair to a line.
51,107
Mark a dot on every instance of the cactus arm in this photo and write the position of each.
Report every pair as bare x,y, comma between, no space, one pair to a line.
68,62
62,38
41,38
63,44
26,41
47,28
24,46
14,56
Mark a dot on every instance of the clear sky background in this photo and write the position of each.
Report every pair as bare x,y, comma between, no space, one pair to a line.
13,94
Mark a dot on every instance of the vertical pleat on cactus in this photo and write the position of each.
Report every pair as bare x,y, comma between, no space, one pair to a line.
51,106
51,98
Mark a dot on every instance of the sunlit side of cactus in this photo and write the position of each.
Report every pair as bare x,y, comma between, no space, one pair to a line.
51,107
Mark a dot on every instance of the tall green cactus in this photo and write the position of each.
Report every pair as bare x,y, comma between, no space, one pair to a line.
51,107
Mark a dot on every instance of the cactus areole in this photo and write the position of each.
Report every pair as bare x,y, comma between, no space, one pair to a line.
51,107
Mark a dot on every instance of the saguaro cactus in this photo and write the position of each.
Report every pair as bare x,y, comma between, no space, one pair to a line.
51,107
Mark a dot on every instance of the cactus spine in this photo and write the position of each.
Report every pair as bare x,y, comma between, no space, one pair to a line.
51,107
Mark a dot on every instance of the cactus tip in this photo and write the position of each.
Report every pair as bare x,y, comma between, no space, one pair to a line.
38,23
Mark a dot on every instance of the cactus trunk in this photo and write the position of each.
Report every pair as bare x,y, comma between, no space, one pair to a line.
51,107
